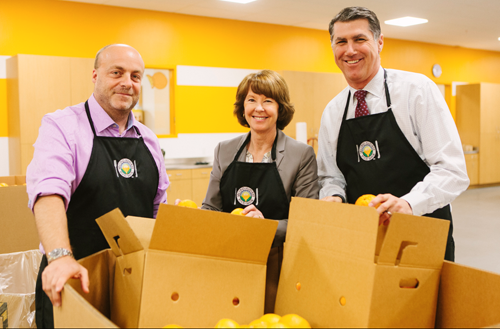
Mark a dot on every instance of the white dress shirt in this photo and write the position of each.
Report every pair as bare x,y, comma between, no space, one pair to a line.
423,117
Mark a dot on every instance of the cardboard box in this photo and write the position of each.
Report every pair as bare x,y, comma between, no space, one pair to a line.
342,270
19,255
468,298
17,224
198,267
13,180
326,252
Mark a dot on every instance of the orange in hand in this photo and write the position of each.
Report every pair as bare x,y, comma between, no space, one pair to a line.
237,211
365,199
188,203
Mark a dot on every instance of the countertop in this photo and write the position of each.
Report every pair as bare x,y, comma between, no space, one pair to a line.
184,167
188,163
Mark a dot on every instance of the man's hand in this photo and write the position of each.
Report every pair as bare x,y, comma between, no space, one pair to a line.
252,211
390,204
58,272
332,199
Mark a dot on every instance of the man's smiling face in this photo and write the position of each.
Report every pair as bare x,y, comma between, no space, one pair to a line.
357,53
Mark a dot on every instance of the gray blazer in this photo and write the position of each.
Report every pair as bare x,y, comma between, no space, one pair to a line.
296,164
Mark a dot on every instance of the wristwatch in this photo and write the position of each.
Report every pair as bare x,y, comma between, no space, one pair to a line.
58,253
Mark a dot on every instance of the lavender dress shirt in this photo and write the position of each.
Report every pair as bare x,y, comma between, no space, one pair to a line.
64,146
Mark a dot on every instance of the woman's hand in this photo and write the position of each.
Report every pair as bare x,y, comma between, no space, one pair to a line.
252,211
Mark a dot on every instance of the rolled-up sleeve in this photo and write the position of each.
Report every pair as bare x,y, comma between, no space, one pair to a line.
52,169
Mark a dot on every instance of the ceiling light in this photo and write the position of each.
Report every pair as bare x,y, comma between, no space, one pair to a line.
239,1
406,21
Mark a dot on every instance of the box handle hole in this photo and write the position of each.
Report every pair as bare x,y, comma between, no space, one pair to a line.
409,283
404,245
236,301
342,301
116,238
175,296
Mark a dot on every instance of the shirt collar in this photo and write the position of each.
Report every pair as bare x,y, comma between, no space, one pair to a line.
102,120
375,86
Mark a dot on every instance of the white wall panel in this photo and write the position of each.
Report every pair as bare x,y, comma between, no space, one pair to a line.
193,145
210,76
3,67
4,156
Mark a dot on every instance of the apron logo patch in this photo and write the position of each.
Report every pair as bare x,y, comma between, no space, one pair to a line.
245,196
126,168
367,151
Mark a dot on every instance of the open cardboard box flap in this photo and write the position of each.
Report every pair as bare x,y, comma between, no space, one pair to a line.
17,224
119,234
189,266
216,234
414,242
342,269
354,231
333,227
468,298
183,230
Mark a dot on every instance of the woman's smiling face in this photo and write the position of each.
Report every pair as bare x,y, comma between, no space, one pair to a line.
261,112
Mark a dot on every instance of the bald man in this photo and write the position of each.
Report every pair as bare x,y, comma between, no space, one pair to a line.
90,159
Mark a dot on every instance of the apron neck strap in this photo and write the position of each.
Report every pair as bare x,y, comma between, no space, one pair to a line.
87,110
247,140
387,97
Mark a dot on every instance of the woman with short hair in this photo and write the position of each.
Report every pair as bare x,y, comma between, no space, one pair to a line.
262,170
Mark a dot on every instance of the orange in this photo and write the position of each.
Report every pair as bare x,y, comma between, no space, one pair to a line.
365,199
227,323
270,318
278,325
188,203
258,324
294,321
3,184
237,211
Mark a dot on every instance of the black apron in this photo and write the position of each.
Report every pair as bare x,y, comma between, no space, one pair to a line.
376,158
243,184
121,173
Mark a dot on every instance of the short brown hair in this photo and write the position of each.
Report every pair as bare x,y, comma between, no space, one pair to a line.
354,13
270,84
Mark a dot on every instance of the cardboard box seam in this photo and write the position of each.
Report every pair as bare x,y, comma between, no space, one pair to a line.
198,256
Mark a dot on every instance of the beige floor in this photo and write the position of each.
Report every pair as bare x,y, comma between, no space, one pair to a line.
476,221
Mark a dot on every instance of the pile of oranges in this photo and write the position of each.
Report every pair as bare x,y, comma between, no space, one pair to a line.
269,320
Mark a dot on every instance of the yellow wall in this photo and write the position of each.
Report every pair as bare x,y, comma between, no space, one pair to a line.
50,27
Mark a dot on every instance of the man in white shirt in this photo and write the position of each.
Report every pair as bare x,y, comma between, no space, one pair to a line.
389,133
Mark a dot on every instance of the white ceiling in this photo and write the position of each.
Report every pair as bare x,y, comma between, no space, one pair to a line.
465,23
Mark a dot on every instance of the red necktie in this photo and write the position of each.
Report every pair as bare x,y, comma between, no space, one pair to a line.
361,108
